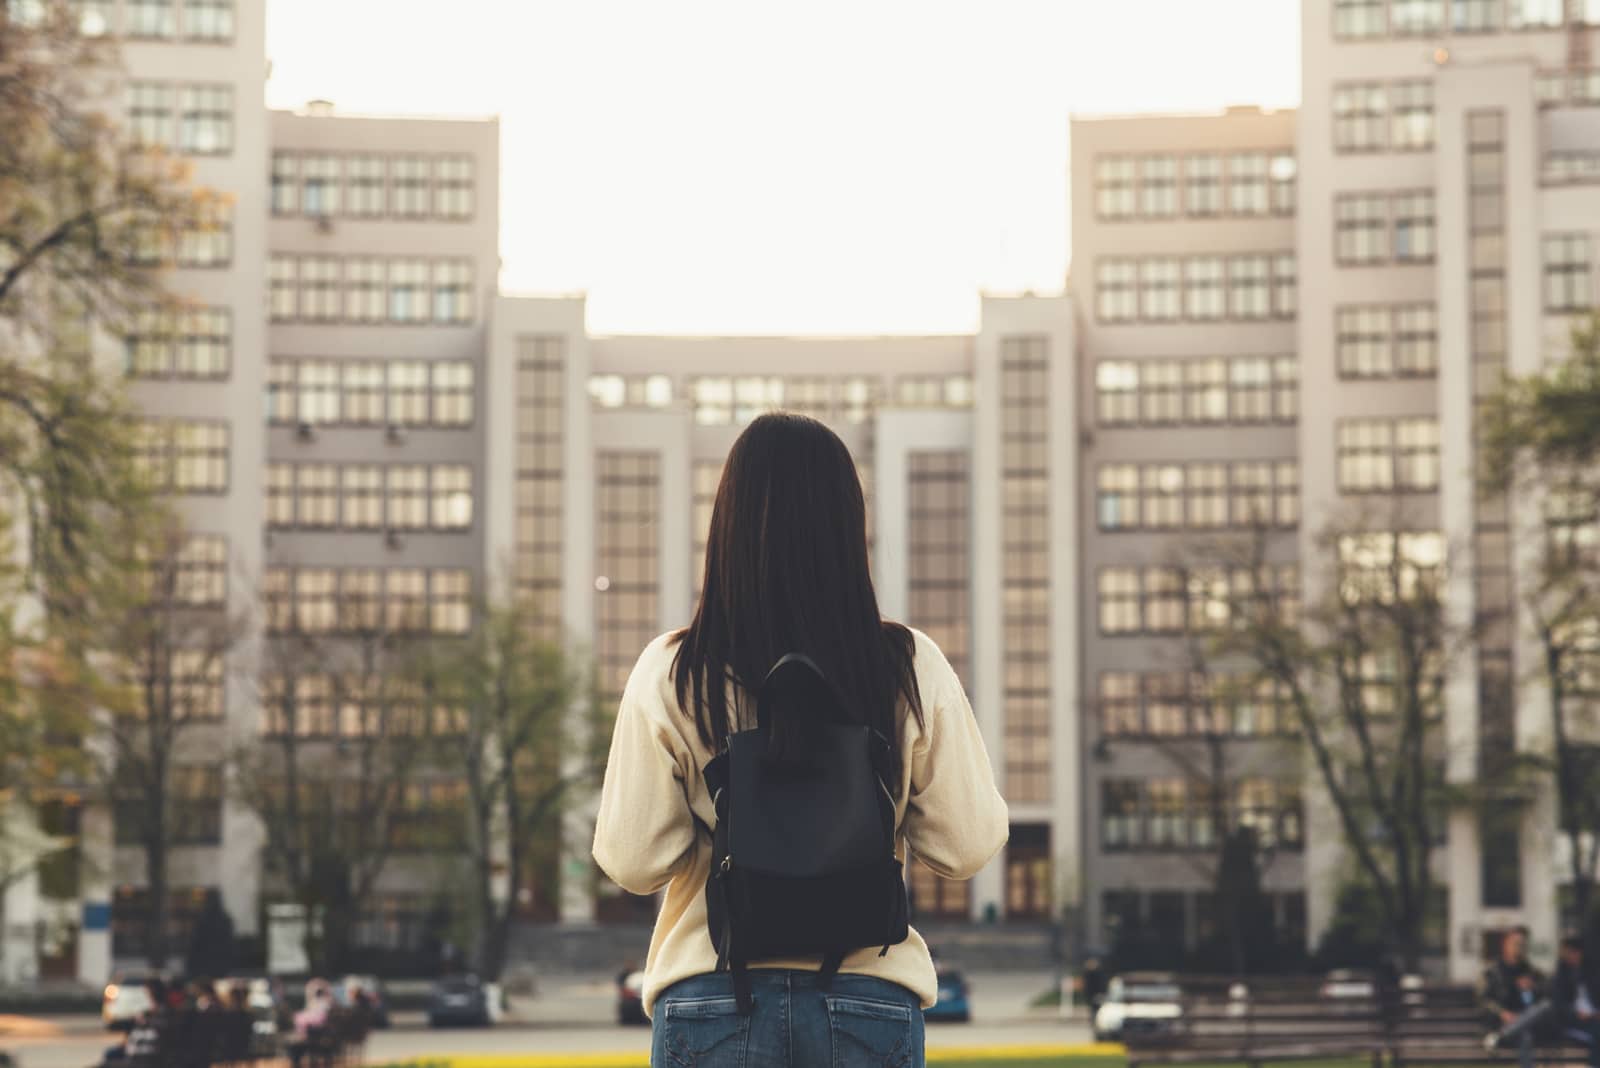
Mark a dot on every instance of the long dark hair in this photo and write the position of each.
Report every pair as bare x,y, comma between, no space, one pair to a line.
786,571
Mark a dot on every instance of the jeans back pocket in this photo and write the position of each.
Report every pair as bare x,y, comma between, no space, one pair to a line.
700,1033
873,1034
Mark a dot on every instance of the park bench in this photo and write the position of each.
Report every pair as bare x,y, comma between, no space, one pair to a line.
1443,1025
1286,1021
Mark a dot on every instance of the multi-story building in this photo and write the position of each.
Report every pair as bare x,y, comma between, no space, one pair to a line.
1274,316
1448,161
606,456
1183,251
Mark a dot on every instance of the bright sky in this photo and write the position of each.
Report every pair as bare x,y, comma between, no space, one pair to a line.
812,166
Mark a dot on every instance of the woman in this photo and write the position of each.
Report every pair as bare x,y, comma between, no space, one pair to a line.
786,571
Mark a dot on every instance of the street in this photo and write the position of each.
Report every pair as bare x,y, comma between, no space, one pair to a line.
577,1015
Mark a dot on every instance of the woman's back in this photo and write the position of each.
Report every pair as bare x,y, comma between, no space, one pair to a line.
787,572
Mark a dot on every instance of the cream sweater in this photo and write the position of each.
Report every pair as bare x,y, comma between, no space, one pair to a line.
949,813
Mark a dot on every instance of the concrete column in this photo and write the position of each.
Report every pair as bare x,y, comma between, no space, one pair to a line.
95,889
988,638
19,916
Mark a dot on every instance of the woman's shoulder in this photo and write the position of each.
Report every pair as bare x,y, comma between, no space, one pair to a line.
653,669
928,660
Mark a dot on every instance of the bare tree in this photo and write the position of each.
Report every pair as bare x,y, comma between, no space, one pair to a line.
1363,672
528,736
333,774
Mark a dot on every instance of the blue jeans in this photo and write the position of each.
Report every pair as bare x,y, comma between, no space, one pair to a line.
853,1022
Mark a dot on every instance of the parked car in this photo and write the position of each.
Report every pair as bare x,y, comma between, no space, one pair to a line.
344,993
1348,984
952,1004
461,1001
630,998
1139,1005
124,1001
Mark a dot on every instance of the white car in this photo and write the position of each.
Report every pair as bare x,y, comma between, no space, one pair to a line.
123,1003
1135,1005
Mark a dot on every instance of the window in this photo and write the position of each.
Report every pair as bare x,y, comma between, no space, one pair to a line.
94,16
1158,187
1417,454
1413,228
1358,117
1367,564
205,343
317,495
1567,283
206,127
184,456
453,197
1117,290
1167,823
320,177
360,610
1366,455
362,492
282,390
1411,115
209,242
1247,184
149,108
858,398
1118,501
1206,391
363,393
408,497
321,296
452,291
1250,500
1550,87
1161,496
1364,342
1162,394
1285,285
1120,713
1250,287
1476,16
453,394
411,187
1165,600
280,495
208,20
364,186
1286,388
452,497
451,595
1416,18
405,599
1535,14
1159,293
201,571
365,290
283,287
285,183
319,392
409,291
1250,389
149,18
1119,600
1203,185
1358,19
754,395
1416,339
1283,172
1205,291
1585,87
1117,391
1121,823
1361,223
1208,496
1114,187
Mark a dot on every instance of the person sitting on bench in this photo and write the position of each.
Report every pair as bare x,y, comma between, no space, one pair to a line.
1576,993
1515,999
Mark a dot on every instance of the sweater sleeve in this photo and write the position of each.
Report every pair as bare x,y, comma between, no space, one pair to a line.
955,819
644,829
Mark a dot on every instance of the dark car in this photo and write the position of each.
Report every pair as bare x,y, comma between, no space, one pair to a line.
371,988
459,1001
630,998
952,1004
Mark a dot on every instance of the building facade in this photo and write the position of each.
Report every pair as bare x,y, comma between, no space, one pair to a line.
1273,317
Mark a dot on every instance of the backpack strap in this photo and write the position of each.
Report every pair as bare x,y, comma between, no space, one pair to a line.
787,664
830,968
741,987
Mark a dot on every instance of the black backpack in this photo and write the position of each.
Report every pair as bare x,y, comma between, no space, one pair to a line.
803,861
